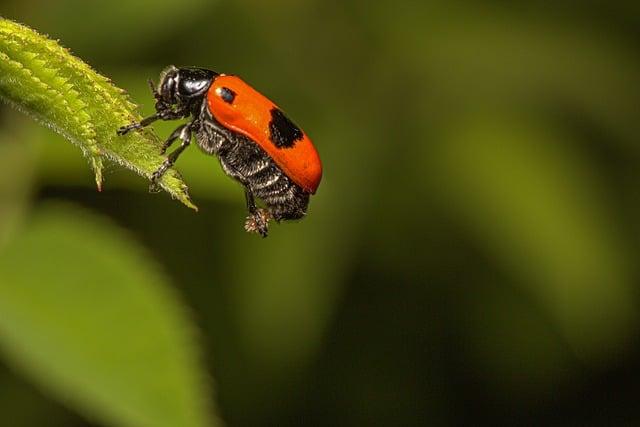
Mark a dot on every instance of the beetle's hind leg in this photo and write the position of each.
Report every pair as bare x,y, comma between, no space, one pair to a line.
183,133
258,219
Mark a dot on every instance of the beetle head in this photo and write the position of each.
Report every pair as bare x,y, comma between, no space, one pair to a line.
182,85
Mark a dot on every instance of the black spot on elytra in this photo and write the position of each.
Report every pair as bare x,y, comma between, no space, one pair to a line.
227,95
282,132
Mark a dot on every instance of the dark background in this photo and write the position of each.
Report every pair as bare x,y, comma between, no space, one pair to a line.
471,256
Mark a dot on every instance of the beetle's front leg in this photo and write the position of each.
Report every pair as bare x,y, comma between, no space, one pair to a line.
162,114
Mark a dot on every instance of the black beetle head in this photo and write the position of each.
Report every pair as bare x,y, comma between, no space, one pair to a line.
180,85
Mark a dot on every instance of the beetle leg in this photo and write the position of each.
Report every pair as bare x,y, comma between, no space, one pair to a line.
251,203
176,134
163,112
123,130
258,219
160,115
184,134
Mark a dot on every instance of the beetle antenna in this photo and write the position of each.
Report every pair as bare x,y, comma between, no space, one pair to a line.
154,91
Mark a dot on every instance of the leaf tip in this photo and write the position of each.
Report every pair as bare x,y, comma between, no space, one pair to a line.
186,200
184,197
96,165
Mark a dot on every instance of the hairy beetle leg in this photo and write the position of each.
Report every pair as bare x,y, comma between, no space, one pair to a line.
258,219
258,222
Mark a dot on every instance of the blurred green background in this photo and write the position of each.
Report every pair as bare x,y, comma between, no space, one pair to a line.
471,256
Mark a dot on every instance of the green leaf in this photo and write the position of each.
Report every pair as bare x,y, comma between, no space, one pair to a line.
42,79
97,326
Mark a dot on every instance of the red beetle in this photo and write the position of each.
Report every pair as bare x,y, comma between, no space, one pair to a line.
254,140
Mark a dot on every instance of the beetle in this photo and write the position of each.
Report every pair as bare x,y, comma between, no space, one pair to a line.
255,142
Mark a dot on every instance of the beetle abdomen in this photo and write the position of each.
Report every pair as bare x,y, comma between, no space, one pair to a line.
245,161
